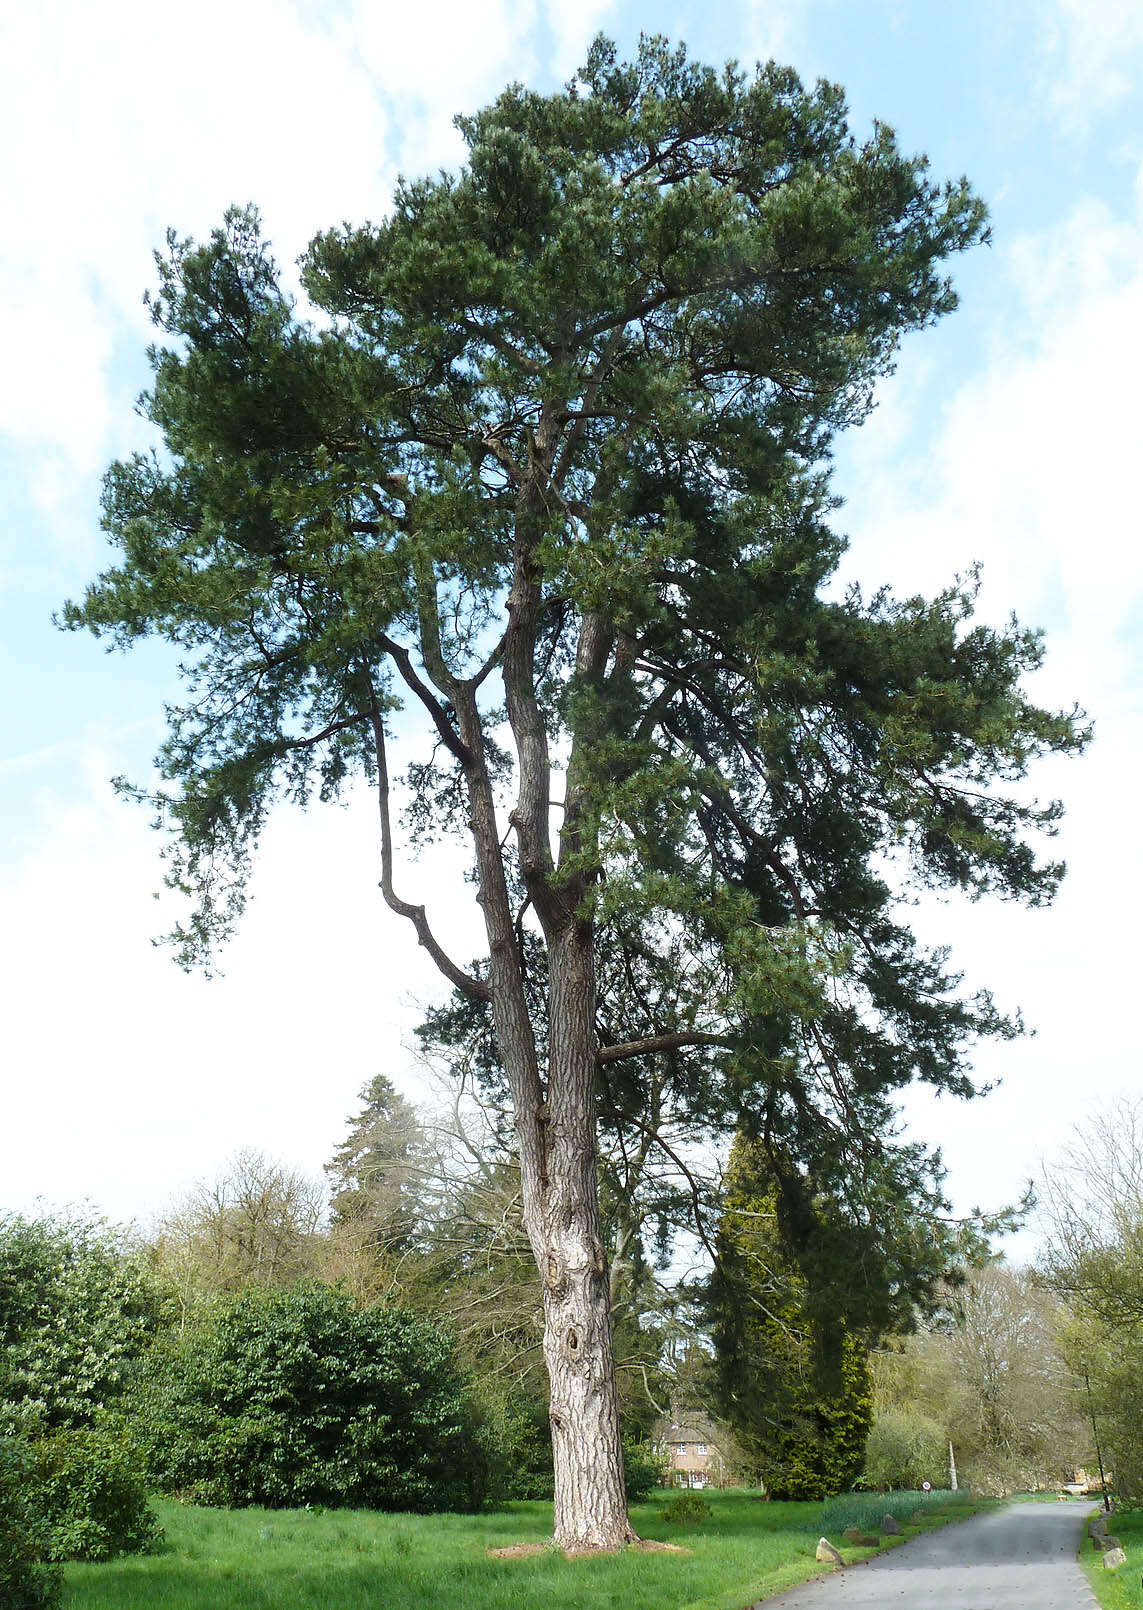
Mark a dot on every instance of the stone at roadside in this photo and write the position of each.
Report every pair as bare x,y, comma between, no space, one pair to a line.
826,1553
891,1526
860,1539
1104,1541
1113,1559
1097,1527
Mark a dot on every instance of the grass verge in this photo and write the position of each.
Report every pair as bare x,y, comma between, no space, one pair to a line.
1122,1589
354,1560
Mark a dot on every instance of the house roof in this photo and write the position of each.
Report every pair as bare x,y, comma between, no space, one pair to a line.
685,1426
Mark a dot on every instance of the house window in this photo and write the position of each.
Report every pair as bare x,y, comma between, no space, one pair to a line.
700,1447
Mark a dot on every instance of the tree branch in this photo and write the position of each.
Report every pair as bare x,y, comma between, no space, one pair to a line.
403,661
579,832
497,339
428,616
661,1042
530,816
320,737
515,1032
586,410
475,988
692,1183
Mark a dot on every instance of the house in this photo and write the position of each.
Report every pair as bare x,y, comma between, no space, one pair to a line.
699,1452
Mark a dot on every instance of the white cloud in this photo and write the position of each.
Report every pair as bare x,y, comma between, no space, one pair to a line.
573,29
121,120
1027,472
772,29
127,118
1071,969
1091,55
437,58
127,1079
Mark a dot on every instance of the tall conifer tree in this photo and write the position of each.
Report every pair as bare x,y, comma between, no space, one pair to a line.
791,1359
374,1171
548,472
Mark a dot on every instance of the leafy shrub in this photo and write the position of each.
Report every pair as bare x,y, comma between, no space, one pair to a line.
1117,1383
92,1499
76,1309
27,1582
517,1435
301,1397
688,1510
643,1469
905,1448
791,1365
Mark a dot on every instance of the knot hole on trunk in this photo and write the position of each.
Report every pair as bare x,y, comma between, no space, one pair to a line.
573,1342
556,1275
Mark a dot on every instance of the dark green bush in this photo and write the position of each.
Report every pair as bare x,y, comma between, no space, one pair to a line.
814,1446
517,1434
92,1498
688,1510
791,1375
302,1397
27,1581
643,1469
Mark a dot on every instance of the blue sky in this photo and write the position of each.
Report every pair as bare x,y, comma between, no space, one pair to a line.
1007,436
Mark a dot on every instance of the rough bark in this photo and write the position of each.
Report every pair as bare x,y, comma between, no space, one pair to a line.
591,1502
556,1132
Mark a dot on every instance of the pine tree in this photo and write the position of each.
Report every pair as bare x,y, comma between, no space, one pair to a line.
793,1377
375,1172
550,470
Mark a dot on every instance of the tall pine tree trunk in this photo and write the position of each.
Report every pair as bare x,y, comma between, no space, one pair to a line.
591,1502
555,1128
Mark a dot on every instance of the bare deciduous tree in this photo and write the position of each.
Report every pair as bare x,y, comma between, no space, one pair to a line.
992,1373
256,1224
1092,1198
1093,1207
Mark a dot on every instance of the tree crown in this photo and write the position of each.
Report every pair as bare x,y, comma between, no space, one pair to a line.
552,470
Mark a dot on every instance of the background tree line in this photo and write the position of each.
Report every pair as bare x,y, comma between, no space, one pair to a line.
373,1341
261,1344
1033,1373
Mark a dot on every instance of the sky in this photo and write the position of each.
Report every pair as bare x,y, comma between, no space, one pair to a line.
1006,437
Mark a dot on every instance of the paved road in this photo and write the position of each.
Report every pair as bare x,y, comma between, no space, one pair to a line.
1022,1557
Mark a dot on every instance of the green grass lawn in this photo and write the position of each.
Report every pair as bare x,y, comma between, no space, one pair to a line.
1122,1589
257,1559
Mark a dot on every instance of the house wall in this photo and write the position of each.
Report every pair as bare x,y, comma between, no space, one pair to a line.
689,1468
